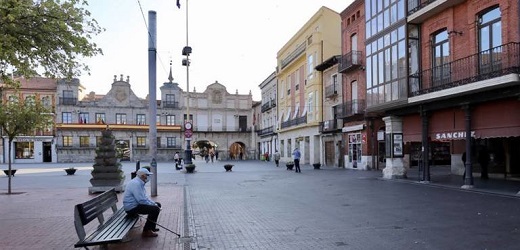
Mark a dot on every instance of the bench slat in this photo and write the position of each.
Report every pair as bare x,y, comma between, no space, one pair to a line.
114,230
91,209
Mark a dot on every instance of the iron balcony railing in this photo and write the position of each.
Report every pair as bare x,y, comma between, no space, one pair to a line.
349,61
329,126
331,90
294,122
68,100
350,108
266,131
415,5
293,55
169,104
495,62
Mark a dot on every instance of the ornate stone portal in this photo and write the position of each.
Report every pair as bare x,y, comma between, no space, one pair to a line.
107,171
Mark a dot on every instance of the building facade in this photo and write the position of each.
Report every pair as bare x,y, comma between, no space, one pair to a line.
39,146
268,139
330,128
300,85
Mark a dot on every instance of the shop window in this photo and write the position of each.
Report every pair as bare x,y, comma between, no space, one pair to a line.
24,150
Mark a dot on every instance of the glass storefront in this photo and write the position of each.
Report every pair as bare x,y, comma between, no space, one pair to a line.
24,150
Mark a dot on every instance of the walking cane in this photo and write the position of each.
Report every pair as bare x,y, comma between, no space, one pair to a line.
178,235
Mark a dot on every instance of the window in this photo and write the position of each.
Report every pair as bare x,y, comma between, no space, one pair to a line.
335,85
120,118
158,119
171,142
141,119
84,141
310,102
490,37
441,53
46,102
170,120
310,66
141,141
83,118
68,94
158,142
170,101
289,148
24,150
100,118
66,117
67,141
380,15
30,100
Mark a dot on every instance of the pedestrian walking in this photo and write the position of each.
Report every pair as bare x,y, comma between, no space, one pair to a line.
276,157
296,157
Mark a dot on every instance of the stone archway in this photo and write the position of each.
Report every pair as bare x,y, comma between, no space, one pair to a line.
238,151
202,148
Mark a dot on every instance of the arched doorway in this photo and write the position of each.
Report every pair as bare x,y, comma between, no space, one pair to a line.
203,148
237,151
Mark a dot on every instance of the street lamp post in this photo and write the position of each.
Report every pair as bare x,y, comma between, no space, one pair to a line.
188,123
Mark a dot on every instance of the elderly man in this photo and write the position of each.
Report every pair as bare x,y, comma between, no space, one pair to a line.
136,202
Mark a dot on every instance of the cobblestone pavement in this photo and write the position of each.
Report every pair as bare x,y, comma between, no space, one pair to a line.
259,206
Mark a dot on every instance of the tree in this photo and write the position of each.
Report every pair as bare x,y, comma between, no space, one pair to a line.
22,118
47,35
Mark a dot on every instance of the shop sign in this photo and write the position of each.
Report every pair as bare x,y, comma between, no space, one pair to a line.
29,139
458,135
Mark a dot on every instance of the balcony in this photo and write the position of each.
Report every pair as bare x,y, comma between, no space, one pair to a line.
350,61
268,105
294,54
294,122
350,108
170,104
68,100
494,63
329,126
266,131
331,90
421,10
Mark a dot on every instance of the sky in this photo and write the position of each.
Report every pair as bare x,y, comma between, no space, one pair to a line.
234,42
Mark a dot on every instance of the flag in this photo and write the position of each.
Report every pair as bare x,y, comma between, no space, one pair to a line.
179,3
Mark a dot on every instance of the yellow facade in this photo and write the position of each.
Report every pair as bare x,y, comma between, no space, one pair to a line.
300,85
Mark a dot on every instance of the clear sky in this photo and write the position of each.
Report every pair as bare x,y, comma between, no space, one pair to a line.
234,42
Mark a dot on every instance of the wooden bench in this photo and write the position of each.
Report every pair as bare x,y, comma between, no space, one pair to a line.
113,230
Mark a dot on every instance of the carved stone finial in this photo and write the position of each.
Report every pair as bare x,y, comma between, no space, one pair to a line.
236,92
250,92
128,79
115,78
121,79
170,77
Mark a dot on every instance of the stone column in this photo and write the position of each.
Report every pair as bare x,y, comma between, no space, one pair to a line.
394,165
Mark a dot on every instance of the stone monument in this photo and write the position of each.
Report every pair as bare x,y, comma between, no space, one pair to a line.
107,173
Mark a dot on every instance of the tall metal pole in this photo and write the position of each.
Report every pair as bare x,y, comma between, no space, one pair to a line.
152,71
186,51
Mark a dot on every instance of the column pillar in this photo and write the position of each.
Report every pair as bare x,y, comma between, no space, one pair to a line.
394,168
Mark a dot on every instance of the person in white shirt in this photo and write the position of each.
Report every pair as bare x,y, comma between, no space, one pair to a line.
135,201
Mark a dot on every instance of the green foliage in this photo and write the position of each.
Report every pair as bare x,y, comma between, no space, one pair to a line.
51,35
23,117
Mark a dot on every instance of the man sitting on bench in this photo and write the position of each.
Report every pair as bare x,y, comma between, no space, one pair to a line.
135,201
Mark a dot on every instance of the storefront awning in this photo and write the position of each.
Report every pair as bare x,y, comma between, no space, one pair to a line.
304,112
288,115
296,111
